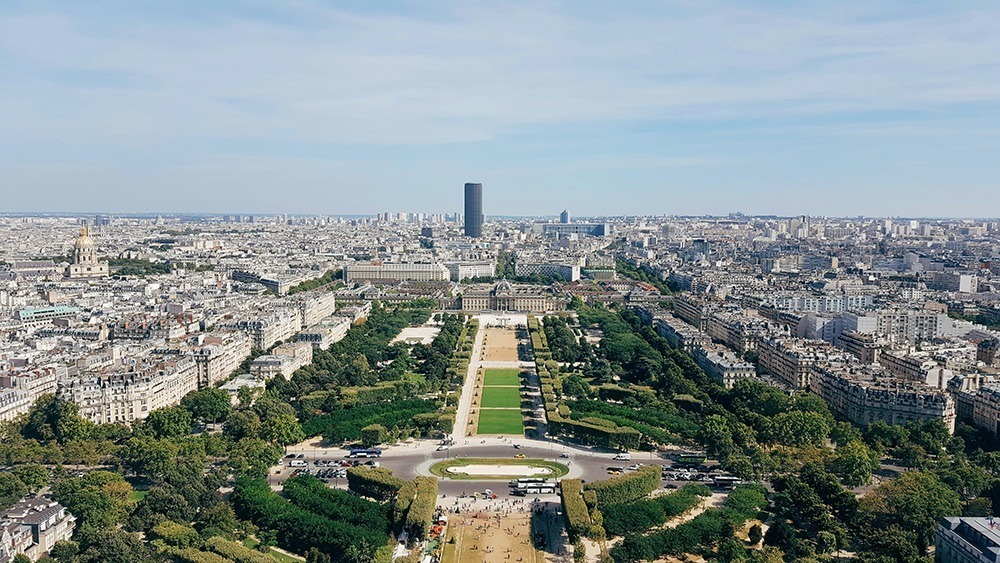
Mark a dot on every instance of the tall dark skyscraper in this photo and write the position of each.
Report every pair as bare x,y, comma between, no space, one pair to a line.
474,210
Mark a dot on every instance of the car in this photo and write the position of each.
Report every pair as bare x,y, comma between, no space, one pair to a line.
519,456
623,456
517,446
289,456
300,456
442,448
670,486
564,454
319,463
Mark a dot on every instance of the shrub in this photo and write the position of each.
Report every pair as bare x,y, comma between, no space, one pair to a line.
626,488
376,483
236,552
418,518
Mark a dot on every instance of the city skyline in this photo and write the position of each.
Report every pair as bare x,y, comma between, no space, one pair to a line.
844,110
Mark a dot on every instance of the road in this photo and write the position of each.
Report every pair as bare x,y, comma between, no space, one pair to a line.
409,460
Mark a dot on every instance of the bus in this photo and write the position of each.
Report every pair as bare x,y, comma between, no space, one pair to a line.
691,458
727,481
534,489
365,453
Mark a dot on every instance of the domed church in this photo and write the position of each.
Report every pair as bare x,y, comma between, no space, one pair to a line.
85,264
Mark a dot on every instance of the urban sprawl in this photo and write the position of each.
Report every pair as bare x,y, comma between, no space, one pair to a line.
801,374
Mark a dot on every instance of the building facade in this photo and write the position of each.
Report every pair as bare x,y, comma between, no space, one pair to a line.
473,210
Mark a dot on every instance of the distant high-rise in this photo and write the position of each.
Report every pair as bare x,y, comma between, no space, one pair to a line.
474,210
564,217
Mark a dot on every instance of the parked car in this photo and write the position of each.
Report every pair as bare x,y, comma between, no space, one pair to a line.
519,456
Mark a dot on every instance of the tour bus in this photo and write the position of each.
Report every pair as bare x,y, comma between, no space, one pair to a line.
691,458
534,489
727,481
365,453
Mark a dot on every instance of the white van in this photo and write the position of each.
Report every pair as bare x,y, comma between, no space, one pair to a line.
624,456
297,463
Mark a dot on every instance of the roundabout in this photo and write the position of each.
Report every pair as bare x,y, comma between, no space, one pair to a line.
499,469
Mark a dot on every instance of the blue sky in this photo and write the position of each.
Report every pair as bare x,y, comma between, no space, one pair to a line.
667,107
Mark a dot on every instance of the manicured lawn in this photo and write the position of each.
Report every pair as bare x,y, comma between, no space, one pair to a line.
501,397
501,377
500,421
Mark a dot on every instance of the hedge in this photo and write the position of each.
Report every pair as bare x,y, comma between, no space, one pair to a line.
376,483
421,513
296,528
643,514
191,555
626,488
575,510
236,552
177,535
313,495
622,437
701,533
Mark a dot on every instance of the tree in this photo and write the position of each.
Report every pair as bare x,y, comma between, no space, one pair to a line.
217,520
254,456
33,476
855,463
146,456
111,545
12,489
374,434
282,429
244,396
242,424
314,555
52,418
170,422
755,534
21,558
914,503
208,405
64,551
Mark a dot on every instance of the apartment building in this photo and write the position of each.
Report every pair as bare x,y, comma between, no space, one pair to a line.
32,527
861,346
283,360
313,306
220,355
19,390
861,395
398,271
694,310
722,365
325,333
967,540
792,359
268,328
130,395
568,272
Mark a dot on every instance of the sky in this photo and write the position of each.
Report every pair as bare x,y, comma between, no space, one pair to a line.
684,107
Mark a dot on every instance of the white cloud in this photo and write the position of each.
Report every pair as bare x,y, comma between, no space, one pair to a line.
473,73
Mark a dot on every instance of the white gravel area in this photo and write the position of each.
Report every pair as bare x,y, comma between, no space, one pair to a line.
505,470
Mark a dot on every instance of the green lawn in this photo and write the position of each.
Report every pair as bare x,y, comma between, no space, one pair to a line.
496,421
501,377
501,397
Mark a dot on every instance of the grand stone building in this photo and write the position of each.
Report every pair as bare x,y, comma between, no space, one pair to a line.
85,263
507,297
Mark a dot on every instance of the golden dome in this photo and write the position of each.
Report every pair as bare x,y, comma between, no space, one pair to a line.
84,241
